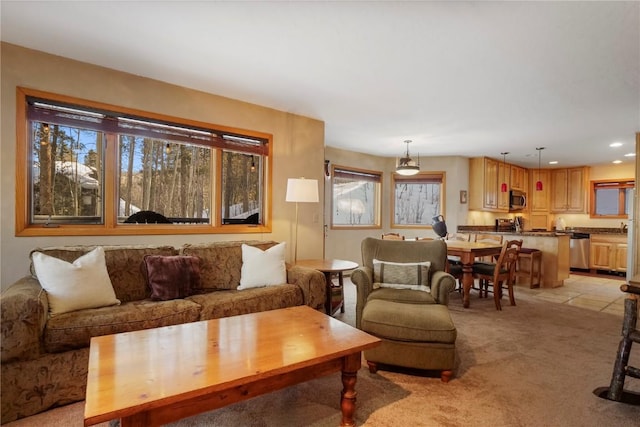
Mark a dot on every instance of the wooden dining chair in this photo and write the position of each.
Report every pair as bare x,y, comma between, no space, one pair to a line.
454,266
462,237
488,238
502,273
392,236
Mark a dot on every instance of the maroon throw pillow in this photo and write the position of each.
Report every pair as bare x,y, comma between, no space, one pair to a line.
171,277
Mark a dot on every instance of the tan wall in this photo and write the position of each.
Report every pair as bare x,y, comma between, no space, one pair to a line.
298,147
345,244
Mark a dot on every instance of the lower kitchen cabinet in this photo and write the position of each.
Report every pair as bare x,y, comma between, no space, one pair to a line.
608,252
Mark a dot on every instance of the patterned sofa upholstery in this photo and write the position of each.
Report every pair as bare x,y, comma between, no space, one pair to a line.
44,359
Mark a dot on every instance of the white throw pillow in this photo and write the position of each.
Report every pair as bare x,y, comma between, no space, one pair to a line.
262,268
74,286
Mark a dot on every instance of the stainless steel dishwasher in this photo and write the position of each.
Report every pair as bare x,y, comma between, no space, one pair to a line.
579,251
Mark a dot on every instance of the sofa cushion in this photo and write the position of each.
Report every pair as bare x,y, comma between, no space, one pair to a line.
123,264
409,322
227,303
262,268
220,262
402,295
171,277
401,275
84,283
75,329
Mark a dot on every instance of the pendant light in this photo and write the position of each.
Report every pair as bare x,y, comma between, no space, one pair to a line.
407,166
504,187
539,183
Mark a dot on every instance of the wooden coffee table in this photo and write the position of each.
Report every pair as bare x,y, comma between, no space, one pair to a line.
156,376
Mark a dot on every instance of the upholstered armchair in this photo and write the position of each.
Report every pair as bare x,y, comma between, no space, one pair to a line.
402,296
440,282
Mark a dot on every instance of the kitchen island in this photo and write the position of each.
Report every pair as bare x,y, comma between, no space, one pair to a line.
554,247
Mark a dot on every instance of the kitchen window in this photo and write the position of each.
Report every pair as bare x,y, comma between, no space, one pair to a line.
355,198
611,198
417,199
93,169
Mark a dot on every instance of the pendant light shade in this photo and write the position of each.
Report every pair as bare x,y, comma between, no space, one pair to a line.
539,183
504,187
406,165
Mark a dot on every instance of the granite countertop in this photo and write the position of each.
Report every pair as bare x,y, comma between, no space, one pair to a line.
490,229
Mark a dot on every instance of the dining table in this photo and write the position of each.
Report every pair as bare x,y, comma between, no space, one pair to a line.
468,252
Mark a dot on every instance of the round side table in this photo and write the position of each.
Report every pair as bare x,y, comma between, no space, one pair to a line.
335,292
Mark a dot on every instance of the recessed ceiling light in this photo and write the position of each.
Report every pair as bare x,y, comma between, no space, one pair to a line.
553,162
630,155
615,144
615,162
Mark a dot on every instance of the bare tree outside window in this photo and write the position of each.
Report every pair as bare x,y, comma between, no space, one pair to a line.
96,169
166,177
356,198
417,199
66,173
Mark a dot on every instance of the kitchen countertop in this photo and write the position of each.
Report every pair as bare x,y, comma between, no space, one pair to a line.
490,229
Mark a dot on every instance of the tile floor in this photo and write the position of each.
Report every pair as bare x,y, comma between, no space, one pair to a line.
599,293
595,292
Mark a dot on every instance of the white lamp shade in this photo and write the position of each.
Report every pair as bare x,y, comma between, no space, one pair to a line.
302,190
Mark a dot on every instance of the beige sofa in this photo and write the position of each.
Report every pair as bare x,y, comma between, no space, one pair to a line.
44,358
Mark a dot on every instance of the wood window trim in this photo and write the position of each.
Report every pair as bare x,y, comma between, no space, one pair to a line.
594,184
23,227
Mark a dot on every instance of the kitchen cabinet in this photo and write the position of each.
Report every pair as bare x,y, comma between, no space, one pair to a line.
569,190
518,178
503,196
608,252
539,200
484,188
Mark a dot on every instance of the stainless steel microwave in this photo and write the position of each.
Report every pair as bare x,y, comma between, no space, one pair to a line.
517,200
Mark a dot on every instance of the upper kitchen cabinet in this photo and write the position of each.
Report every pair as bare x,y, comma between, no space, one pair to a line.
569,190
503,196
484,188
538,202
518,178
539,199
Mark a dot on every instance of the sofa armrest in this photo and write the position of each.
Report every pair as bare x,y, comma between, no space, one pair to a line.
442,284
314,289
362,277
24,309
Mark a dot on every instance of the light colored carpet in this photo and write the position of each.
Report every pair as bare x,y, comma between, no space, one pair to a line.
535,364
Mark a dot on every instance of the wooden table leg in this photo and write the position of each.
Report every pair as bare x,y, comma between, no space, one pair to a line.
341,283
350,366
467,278
327,304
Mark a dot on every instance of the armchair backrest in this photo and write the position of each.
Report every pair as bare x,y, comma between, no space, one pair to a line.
434,251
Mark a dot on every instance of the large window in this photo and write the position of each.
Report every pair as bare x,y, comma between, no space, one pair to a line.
417,199
97,169
611,198
355,198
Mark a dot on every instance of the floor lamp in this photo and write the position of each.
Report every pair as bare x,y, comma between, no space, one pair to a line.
300,190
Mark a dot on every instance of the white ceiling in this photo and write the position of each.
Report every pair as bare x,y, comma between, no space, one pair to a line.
457,78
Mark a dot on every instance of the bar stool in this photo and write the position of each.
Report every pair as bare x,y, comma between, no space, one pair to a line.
534,271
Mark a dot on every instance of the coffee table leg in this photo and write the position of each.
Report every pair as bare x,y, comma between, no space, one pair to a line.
350,366
135,420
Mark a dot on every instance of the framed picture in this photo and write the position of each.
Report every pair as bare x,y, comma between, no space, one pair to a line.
463,196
